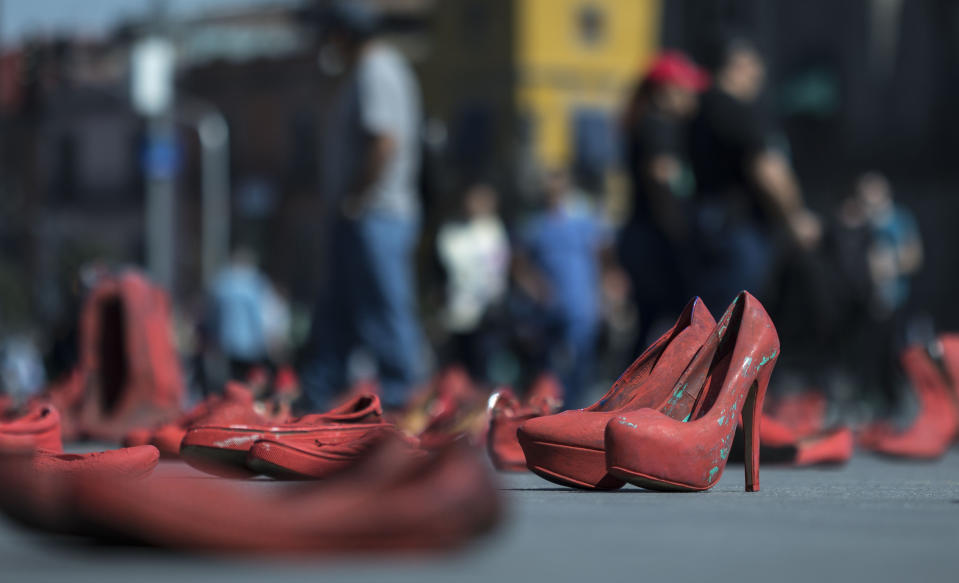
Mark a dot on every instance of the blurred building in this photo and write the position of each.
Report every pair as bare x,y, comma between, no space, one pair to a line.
535,82
509,85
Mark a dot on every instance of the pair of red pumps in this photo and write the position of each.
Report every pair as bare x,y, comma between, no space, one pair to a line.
668,422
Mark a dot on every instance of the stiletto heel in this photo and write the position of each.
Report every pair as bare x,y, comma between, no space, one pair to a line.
752,420
728,378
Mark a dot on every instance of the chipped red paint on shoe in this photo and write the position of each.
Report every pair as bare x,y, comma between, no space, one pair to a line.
659,451
569,448
221,449
314,459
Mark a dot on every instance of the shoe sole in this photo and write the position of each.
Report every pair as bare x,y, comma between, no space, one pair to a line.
225,463
569,465
653,483
277,472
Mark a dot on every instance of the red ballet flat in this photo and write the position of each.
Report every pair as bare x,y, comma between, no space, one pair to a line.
221,448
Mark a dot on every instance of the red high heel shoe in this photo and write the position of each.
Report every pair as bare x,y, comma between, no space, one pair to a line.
568,448
655,450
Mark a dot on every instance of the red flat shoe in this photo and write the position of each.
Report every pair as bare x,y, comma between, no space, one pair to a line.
294,459
235,406
804,413
221,449
39,428
34,488
935,426
569,449
829,448
660,451
399,503
129,462
449,407
778,444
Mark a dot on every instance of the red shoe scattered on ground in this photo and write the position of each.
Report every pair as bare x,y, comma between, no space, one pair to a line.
235,405
221,448
128,374
39,428
295,459
569,448
935,426
779,444
507,414
128,462
804,413
449,407
392,501
833,447
35,488
660,450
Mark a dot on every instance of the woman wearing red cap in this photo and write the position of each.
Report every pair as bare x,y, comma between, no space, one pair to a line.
652,243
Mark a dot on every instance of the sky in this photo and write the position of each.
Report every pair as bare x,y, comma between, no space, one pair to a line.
21,18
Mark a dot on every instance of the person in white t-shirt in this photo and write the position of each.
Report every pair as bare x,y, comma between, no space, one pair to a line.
475,253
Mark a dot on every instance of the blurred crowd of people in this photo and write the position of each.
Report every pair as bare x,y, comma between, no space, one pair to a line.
714,207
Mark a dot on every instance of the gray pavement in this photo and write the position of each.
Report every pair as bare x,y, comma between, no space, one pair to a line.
874,520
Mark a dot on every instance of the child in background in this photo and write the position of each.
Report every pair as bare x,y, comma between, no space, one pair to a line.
475,253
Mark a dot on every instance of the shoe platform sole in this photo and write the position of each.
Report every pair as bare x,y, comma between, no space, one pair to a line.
568,465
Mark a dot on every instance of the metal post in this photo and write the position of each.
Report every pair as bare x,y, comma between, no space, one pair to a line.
214,141
160,206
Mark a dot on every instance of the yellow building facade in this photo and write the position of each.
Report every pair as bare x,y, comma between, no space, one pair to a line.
577,55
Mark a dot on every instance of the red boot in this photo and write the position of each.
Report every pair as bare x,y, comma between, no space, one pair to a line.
658,450
935,426
130,368
569,449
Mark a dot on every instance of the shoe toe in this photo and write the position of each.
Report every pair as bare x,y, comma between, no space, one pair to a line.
573,428
167,440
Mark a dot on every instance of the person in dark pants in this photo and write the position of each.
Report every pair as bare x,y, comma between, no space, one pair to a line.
652,244
745,187
369,173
